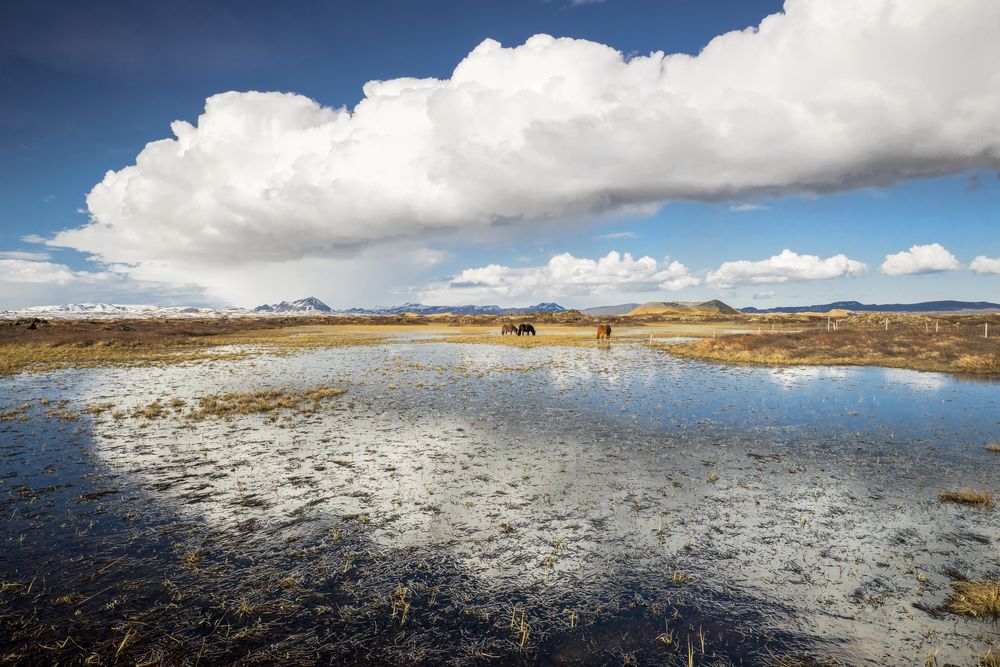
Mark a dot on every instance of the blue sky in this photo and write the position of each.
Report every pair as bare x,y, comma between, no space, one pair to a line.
91,86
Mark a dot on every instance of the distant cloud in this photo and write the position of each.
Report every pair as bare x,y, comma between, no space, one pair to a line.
564,275
785,267
563,129
986,265
745,208
25,255
34,238
20,270
580,3
619,235
763,296
930,258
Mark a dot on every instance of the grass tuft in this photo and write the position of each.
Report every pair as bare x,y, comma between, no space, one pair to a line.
968,497
979,599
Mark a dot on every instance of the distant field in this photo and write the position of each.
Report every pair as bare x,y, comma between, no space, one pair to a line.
948,351
952,344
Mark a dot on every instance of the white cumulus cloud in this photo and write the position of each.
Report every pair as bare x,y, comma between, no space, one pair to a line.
828,95
930,258
788,266
563,276
986,265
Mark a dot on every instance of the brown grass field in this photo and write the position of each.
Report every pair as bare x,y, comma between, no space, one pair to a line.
964,351
946,343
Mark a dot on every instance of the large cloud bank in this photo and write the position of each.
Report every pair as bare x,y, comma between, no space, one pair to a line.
829,95
563,276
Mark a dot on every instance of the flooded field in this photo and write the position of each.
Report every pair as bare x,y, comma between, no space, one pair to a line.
487,504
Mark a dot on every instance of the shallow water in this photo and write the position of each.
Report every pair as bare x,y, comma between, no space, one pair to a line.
631,505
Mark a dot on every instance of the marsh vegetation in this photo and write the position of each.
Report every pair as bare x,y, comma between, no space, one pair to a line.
398,500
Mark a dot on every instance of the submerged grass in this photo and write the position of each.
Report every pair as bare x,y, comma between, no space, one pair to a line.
979,599
902,348
233,404
968,497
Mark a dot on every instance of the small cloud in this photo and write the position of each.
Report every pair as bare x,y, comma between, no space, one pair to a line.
763,296
581,3
782,268
619,235
81,211
426,257
974,183
34,238
25,255
930,258
745,208
986,265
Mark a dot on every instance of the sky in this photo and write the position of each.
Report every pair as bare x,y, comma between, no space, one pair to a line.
759,152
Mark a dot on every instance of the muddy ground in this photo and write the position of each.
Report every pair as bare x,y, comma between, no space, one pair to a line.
477,504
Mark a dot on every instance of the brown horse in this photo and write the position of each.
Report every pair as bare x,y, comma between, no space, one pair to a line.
508,328
603,331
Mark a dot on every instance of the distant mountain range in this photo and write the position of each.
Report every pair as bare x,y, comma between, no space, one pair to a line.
308,306
620,309
313,306
923,307
421,309
714,306
119,311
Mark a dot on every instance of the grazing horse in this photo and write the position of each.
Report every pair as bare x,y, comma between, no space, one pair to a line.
603,331
525,329
508,328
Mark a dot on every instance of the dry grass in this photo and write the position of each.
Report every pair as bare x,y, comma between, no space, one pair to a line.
908,347
989,659
979,599
311,336
233,404
968,497
171,347
545,339
44,357
993,447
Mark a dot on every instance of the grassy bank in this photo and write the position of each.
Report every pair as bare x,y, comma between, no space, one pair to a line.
911,348
159,343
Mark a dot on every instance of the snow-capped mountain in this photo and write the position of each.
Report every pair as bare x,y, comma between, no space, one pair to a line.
308,305
421,309
119,311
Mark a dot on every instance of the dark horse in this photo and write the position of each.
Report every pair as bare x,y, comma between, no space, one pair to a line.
603,331
525,329
508,328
